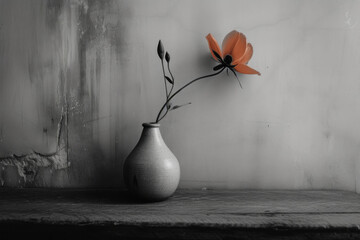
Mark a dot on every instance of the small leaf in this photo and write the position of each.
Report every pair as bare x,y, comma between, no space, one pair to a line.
217,56
160,50
169,105
167,57
179,106
169,80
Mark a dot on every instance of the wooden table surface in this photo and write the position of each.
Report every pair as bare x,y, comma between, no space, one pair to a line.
205,214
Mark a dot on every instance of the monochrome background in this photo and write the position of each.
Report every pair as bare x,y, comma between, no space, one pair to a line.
89,70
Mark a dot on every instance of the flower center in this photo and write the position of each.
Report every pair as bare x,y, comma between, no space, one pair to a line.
228,59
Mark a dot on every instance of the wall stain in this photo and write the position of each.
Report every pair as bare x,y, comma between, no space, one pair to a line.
53,11
91,29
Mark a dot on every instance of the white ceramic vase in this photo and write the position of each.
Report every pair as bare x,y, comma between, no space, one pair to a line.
151,171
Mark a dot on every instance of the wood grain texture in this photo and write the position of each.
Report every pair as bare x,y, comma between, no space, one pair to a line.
211,208
189,214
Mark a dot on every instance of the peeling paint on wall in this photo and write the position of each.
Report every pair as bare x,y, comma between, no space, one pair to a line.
29,165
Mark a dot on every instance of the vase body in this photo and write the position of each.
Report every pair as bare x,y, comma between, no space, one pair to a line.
151,171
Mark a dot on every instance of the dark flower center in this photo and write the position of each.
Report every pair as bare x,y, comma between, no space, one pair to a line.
228,59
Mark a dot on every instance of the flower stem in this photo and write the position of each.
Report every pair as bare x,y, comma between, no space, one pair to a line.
172,77
175,93
163,69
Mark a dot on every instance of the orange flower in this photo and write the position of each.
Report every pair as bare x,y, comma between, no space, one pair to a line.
235,53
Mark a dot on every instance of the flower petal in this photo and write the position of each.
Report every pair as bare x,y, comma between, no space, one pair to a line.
239,49
247,55
229,42
242,68
213,45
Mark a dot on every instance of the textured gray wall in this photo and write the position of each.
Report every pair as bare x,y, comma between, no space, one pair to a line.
77,79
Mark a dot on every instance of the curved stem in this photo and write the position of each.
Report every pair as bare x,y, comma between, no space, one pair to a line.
167,110
172,77
173,95
171,89
163,69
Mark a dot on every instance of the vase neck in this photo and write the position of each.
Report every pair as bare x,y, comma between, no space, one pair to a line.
151,125
151,132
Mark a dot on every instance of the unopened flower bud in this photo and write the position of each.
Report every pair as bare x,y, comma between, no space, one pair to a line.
160,50
167,57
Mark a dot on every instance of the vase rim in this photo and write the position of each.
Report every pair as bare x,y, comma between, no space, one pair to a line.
151,125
